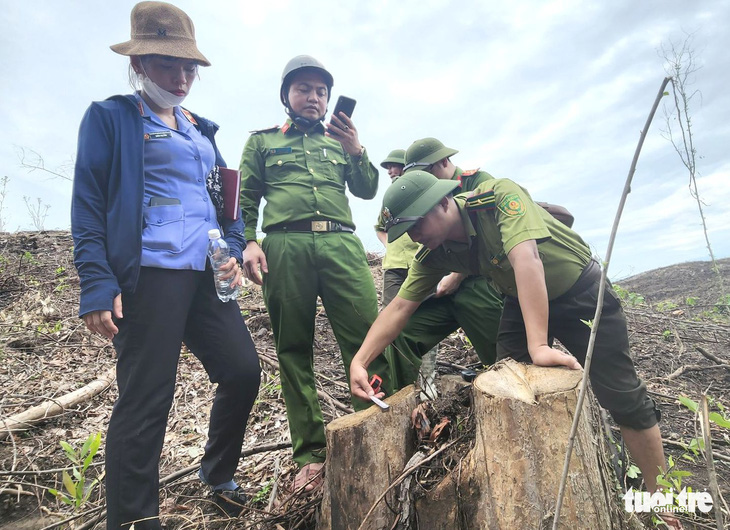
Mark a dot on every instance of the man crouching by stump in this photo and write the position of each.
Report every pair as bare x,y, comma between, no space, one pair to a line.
550,283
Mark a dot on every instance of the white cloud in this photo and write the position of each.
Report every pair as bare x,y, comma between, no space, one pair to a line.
550,94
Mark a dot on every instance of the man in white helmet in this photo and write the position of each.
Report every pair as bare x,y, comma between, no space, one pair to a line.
310,250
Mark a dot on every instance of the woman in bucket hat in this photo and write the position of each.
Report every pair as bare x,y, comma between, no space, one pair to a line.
144,199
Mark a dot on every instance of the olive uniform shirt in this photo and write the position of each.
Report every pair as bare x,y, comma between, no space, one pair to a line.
497,216
399,253
302,176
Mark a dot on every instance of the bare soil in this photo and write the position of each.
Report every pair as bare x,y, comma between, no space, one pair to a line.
46,352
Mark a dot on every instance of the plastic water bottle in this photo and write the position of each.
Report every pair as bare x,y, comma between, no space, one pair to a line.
218,253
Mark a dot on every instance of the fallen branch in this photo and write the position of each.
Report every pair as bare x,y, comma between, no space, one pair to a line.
275,487
451,365
11,491
320,393
39,472
54,407
689,368
246,452
174,476
88,524
260,307
713,357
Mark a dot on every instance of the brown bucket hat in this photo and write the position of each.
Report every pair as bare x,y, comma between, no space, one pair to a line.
160,28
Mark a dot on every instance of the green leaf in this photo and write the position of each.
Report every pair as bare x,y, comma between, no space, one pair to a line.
720,420
633,471
86,446
687,402
95,442
70,485
66,500
664,482
70,453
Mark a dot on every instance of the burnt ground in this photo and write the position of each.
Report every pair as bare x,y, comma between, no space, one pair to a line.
677,317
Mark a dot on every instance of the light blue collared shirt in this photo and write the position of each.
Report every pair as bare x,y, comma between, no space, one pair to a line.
176,164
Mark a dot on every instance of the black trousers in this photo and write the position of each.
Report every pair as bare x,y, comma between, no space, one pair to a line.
170,307
613,376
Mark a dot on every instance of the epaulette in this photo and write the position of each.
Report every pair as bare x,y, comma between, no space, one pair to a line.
270,129
469,172
483,201
421,254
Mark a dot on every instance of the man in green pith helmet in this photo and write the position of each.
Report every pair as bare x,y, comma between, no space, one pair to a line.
408,365
302,170
399,254
550,282
459,301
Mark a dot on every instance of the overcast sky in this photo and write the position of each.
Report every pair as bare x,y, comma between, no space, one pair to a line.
551,94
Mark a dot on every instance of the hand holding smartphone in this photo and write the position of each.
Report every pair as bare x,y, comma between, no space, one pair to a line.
346,105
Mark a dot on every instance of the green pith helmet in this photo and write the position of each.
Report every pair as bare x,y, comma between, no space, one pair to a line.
426,151
303,62
396,156
411,197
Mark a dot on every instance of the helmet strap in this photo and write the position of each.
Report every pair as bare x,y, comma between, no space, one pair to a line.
301,122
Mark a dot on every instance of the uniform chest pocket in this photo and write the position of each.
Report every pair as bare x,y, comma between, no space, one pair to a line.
333,165
286,160
164,228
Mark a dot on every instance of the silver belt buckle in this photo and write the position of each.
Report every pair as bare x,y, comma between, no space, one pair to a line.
319,226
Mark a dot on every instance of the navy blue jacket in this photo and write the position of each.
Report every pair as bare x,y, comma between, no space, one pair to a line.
106,204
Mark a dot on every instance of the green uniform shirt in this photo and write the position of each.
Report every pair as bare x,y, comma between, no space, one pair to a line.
504,216
302,176
399,254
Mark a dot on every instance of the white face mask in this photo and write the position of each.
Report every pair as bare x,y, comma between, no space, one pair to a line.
162,98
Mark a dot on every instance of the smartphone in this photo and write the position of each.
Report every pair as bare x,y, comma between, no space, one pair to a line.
163,201
344,104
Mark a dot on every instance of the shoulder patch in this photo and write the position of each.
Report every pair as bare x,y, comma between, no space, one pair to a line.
512,205
188,116
469,172
421,254
270,129
483,201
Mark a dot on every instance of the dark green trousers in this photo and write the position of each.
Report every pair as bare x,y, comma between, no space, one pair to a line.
475,307
302,266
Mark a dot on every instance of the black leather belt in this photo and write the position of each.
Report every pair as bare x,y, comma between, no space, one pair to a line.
310,226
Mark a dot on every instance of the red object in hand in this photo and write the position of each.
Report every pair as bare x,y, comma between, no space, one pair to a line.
375,382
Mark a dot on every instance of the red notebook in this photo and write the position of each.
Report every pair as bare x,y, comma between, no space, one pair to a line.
231,182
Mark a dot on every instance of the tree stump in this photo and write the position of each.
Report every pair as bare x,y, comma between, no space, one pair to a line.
508,480
366,451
